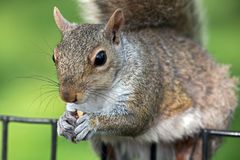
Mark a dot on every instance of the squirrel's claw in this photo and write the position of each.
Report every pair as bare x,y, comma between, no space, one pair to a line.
66,126
83,130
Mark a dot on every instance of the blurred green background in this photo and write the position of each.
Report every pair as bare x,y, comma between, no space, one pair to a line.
28,35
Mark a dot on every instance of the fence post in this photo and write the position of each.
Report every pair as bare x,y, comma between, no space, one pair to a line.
54,140
205,138
4,137
104,152
153,151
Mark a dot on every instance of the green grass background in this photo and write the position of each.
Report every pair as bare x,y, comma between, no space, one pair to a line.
28,35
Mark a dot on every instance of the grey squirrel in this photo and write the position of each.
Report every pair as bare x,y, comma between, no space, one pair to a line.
141,75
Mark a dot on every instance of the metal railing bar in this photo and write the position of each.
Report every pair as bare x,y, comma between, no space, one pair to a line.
104,152
153,151
223,133
206,135
4,137
54,140
205,138
27,120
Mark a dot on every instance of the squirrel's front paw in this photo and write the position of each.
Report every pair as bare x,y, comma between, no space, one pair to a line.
66,126
83,130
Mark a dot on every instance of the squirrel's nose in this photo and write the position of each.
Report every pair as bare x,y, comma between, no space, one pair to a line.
69,96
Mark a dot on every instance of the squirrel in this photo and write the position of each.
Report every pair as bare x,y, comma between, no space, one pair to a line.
141,75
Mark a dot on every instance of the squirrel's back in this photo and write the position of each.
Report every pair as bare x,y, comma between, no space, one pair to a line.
182,15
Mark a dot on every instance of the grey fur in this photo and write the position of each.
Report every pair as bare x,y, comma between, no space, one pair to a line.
157,86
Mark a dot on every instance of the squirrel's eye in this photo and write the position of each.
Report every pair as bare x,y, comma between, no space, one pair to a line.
53,58
100,58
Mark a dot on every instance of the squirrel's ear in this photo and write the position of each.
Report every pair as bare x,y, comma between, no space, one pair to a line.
61,22
114,24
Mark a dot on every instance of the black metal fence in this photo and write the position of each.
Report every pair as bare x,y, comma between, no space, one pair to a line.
206,135
7,119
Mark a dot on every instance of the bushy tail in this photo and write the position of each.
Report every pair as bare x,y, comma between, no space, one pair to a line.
181,15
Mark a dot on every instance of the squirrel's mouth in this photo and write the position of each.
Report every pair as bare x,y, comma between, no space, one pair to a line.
92,104
72,107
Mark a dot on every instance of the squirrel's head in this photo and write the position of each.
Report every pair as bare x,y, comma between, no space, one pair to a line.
88,57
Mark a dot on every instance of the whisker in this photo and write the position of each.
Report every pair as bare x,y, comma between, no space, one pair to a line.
107,96
102,96
97,95
41,98
44,77
40,78
46,93
50,86
50,100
